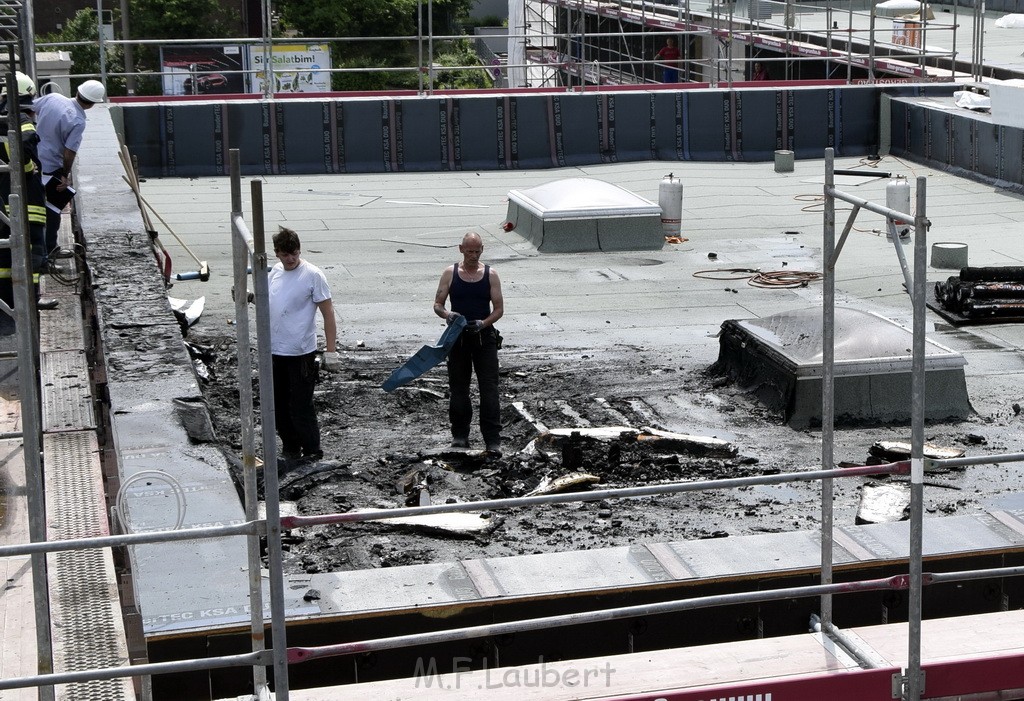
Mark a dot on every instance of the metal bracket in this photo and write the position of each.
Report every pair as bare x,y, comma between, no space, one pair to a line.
900,681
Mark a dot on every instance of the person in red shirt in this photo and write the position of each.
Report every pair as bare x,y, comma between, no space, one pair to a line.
669,53
759,72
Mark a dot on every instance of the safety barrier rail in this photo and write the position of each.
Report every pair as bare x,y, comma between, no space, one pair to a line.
250,258
294,655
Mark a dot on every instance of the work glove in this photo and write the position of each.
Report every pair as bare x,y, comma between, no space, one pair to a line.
475,326
250,296
331,362
451,317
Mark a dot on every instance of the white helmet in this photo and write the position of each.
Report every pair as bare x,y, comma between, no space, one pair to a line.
92,91
26,88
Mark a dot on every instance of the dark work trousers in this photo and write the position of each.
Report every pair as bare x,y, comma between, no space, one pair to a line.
475,352
294,379
6,274
52,229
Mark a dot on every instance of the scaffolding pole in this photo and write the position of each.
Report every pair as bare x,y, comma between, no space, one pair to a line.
911,683
275,553
26,322
241,242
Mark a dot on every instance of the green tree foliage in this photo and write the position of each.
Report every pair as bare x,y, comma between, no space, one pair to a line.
149,19
174,19
459,53
181,19
357,78
86,57
366,22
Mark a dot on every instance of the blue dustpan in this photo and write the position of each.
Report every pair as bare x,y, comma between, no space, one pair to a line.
426,357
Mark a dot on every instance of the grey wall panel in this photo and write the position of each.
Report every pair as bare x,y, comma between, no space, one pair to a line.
934,143
188,140
785,123
986,149
756,127
857,128
306,137
625,126
577,119
1014,6
473,137
247,131
143,129
363,134
513,131
813,122
899,113
963,143
221,139
667,125
419,135
530,131
707,126
1011,167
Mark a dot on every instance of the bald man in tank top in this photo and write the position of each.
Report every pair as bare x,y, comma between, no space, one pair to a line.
475,293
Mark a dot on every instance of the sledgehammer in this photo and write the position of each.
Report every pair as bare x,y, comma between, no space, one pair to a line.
202,274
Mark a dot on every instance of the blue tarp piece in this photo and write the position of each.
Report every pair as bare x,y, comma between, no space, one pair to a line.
426,357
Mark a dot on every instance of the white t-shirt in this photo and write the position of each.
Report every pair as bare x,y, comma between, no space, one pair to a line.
294,295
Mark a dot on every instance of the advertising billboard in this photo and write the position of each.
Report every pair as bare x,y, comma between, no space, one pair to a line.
202,70
296,68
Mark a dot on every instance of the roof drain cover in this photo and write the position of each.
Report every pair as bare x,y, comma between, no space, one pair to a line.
778,358
583,214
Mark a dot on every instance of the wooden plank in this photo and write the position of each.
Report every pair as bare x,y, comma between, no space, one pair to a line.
771,659
17,614
964,651
17,626
10,414
949,638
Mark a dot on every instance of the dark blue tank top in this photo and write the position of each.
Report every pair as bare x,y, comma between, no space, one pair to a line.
471,299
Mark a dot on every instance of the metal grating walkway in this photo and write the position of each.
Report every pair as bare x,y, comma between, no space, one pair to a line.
85,611
84,603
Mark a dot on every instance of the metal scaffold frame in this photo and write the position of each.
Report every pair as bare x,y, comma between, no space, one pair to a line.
26,320
581,43
716,41
250,254
915,281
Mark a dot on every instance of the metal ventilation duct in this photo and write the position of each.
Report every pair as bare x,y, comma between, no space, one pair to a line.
583,214
778,358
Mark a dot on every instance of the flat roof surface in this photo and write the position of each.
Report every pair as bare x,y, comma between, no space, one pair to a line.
383,239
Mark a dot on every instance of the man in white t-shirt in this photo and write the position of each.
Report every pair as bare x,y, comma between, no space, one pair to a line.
297,290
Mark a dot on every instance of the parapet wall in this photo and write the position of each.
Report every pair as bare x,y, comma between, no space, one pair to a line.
967,143
503,131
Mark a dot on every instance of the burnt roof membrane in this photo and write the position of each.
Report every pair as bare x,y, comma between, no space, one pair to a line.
779,359
584,214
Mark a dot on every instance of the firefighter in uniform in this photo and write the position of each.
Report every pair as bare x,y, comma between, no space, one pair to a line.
33,194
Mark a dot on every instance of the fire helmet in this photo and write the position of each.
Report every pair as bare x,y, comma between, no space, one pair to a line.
26,89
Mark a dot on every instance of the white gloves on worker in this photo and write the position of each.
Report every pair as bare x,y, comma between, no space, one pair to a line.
331,362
